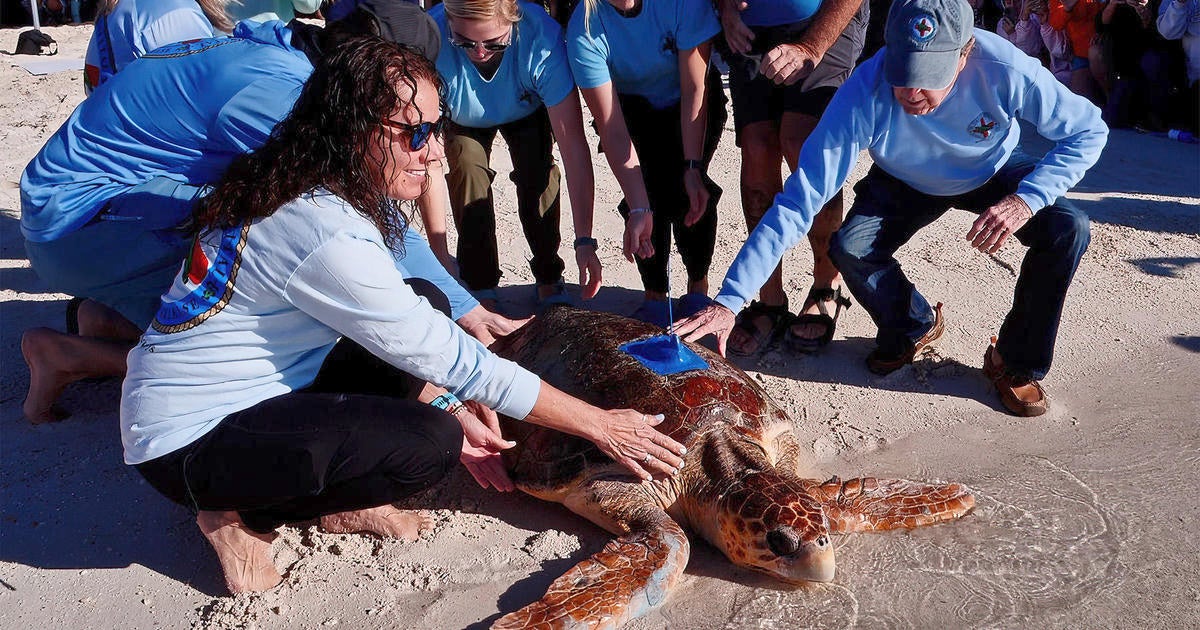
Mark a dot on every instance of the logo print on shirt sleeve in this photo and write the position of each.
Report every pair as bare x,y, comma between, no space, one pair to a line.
205,284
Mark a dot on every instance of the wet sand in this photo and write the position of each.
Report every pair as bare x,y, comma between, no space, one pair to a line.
1087,517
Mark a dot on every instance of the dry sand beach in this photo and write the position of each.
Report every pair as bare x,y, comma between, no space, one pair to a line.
1087,517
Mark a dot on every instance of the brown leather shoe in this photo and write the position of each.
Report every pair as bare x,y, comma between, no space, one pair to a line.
1023,397
882,364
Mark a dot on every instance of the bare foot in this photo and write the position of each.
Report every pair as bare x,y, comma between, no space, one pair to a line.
245,554
56,360
385,520
49,372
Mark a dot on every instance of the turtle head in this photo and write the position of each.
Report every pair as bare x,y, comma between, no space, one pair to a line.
773,524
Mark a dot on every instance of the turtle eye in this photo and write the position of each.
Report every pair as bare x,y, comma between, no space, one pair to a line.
783,541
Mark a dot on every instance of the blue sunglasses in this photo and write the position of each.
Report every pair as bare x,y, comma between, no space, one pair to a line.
419,134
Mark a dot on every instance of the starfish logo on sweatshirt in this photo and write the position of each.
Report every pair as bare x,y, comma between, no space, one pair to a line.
922,28
981,127
205,284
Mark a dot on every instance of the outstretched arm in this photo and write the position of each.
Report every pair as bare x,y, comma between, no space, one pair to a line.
566,119
875,505
623,160
432,206
693,119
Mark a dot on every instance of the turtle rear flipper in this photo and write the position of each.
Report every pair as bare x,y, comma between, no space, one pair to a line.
873,505
628,578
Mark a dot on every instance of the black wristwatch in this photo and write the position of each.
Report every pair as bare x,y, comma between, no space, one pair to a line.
586,240
693,164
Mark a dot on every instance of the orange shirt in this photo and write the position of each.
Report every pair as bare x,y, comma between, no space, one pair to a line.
1079,23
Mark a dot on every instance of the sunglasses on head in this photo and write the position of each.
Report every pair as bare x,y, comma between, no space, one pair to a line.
418,134
461,42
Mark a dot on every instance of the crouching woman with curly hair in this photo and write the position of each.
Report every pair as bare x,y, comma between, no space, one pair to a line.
287,373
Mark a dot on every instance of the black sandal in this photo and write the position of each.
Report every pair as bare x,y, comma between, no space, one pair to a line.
819,297
779,316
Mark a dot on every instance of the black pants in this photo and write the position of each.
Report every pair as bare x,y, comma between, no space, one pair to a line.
658,139
354,439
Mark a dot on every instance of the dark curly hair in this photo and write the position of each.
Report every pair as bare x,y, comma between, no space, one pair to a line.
324,141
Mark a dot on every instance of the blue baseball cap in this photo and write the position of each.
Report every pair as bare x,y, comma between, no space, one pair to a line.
924,40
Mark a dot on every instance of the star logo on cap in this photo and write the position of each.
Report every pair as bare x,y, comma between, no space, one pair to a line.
923,27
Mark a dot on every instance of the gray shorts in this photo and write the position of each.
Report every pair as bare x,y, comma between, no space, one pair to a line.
756,98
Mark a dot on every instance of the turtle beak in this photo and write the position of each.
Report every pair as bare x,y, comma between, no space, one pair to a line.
811,561
814,563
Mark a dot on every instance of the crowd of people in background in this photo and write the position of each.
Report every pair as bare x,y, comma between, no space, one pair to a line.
1139,60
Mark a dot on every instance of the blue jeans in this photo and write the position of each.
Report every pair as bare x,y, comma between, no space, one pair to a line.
128,255
887,213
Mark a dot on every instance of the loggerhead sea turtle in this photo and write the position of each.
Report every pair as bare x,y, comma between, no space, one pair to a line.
740,488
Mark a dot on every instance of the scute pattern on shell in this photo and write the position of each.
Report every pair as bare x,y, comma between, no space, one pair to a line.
579,352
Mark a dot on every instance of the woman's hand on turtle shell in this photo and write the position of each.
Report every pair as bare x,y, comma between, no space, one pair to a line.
630,439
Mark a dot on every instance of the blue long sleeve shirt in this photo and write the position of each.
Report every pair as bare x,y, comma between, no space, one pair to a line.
949,151
173,121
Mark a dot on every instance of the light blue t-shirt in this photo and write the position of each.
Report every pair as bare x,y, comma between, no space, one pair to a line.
136,27
950,151
256,309
778,12
639,54
532,72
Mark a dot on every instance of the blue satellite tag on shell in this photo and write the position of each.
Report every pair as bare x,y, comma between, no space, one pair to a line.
664,355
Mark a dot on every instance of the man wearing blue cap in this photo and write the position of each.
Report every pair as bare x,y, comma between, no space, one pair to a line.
106,204
938,110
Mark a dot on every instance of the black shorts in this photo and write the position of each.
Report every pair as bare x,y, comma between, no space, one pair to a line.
756,98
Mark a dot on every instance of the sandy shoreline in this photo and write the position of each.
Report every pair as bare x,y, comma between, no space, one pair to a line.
1087,517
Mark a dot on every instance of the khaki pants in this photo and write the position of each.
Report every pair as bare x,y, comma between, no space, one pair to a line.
536,176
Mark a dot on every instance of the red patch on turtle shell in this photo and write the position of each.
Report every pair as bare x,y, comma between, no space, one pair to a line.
745,399
699,390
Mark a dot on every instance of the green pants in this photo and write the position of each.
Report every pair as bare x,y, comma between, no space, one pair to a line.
536,176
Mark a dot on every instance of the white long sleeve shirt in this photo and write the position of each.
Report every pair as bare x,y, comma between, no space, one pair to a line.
256,309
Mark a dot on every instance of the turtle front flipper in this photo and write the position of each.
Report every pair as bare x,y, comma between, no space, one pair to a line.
627,579
873,505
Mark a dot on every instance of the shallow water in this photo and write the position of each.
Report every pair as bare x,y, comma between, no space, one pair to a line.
1081,520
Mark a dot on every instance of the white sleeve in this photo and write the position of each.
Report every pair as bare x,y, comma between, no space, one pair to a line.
351,284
